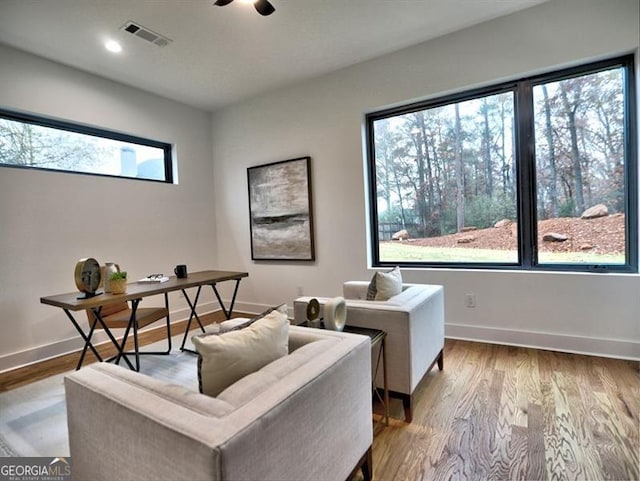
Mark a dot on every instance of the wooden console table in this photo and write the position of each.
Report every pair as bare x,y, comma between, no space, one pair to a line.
136,291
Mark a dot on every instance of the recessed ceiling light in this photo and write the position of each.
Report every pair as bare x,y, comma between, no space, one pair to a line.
113,46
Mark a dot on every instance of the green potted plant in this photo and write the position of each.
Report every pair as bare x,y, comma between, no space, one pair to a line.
118,282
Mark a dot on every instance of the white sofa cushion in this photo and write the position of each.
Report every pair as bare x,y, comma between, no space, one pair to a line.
229,356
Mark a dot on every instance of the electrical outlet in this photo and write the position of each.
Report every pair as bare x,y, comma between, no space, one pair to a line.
300,291
470,300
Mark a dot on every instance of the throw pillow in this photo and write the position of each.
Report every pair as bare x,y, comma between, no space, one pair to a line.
229,356
371,290
233,325
388,284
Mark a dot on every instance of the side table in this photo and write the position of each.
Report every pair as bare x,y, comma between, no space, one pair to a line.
376,336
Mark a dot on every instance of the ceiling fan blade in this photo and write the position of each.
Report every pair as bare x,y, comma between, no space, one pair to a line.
263,7
222,3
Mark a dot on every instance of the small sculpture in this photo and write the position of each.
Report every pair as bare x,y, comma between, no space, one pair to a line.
335,314
313,313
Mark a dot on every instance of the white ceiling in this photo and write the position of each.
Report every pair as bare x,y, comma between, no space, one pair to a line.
220,55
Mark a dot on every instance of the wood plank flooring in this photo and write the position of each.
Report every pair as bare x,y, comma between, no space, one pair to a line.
494,413
508,413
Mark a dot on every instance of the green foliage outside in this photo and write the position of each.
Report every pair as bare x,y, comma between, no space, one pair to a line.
567,208
484,211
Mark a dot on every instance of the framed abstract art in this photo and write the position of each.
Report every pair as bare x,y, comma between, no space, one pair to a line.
280,210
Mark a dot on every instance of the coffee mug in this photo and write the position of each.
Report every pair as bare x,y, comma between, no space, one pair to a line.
180,271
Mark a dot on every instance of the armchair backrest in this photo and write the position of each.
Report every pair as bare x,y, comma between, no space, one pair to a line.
358,289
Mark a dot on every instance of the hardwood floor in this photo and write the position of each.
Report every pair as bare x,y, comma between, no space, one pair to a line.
494,413
507,413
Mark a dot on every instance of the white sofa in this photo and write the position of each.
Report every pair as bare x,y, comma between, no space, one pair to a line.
414,323
306,416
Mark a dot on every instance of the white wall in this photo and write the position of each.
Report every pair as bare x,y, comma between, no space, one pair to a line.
50,220
323,118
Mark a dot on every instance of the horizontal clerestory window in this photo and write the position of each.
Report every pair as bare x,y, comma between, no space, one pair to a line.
539,173
35,142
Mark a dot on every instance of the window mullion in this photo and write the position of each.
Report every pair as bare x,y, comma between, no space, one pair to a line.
631,163
525,163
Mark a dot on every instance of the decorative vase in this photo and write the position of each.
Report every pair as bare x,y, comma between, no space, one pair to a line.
109,268
118,286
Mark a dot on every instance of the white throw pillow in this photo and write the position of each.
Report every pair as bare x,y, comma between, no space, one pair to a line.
227,357
388,284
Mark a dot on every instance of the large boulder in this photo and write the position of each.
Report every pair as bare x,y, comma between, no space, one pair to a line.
467,239
599,210
502,223
401,235
554,237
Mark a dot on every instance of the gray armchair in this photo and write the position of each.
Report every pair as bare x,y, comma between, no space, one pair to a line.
414,323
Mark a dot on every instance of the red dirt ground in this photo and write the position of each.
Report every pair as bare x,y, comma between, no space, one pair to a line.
605,235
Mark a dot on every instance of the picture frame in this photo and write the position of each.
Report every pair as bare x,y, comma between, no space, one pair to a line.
281,211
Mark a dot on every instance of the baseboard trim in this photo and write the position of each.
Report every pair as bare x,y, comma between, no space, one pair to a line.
26,357
253,308
42,369
612,348
23,367
590,346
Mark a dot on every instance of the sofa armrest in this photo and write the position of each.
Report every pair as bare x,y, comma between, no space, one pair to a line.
122,426
355,289
318,410
301,336
415,332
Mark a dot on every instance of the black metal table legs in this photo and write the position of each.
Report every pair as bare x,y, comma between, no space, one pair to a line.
194,314
120,346
97,318
133,325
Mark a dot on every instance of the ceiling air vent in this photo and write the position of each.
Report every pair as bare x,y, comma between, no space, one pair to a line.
146,34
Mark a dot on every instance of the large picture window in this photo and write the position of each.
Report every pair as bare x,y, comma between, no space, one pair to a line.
538,173
34,142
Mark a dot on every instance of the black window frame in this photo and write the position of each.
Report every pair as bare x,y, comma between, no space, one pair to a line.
525,165
68,126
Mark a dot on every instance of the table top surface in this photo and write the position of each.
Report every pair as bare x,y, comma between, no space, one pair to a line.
74,301
374,334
